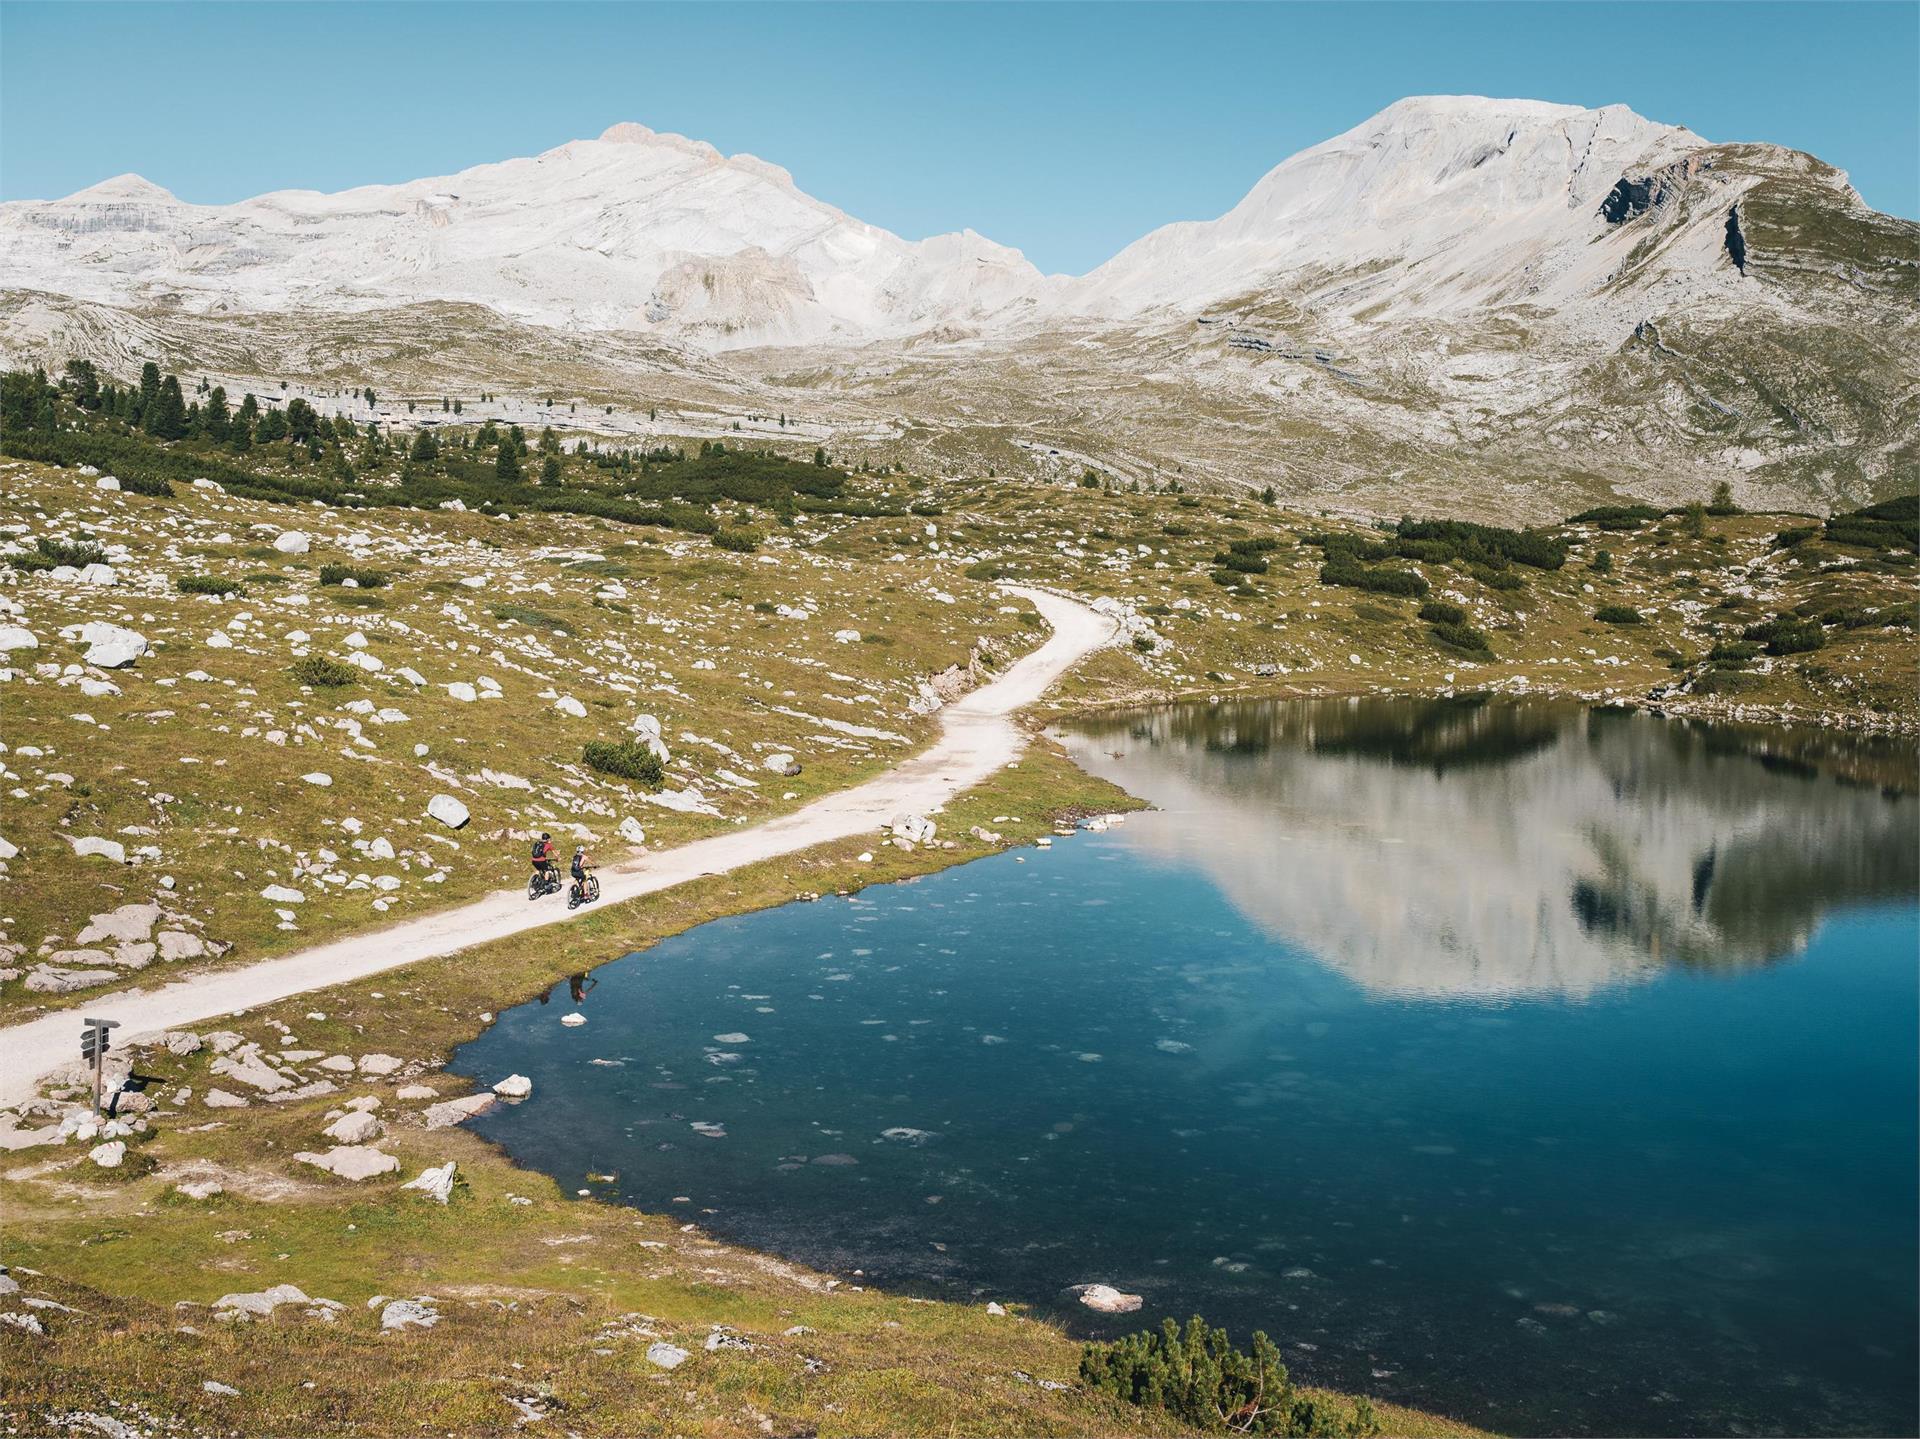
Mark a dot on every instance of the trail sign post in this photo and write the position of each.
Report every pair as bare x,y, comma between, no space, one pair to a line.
94,1042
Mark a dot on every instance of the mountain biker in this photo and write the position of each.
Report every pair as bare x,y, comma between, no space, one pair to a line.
582,866
543,858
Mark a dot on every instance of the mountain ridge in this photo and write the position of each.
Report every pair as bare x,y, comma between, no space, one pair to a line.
1466,288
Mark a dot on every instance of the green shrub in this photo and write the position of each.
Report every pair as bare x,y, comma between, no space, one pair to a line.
1794,535
625,758
1602,562
527,615
323,673
1441,540
1242,561
1204,1383
48,554
1495,579
1618,615
1617,517
1340,569
1463,637
1439,612
207,585
362,579
1732,654
741,542
986,570
1144,644
1787,635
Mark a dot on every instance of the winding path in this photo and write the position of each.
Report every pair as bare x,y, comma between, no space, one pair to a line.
978,736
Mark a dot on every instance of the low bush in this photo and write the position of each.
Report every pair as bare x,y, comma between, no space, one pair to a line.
49,554
527,615
1617,517
1385,580
1787,635
323,673
741,542
1204,1383
207,585
1463,637
1618,615
362,579
625,759
1439,612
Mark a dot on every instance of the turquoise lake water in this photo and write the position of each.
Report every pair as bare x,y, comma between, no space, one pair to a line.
1551,1069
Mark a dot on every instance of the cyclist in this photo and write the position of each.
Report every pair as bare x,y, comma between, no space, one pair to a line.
543,860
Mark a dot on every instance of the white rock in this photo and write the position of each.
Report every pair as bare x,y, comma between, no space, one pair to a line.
1105,1298
456,1111
379,1064
111,647
220,1099
293,542
435,1183
666,1356
203,1189
109,1155
9,850
568,705
319,778
352,1161
356,1127
408,1314
631,831
514,1086
463,691
448,810
13,637
214,1386
106,848
783,764
281,894
574,1020
98,575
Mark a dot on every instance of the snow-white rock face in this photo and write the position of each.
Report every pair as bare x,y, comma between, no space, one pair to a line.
1477,202
634,231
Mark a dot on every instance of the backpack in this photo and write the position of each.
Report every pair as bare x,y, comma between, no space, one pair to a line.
539,849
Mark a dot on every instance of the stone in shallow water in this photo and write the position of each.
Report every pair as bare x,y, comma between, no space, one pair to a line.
1105,1298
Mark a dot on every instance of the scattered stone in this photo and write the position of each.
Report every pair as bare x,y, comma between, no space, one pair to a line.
108,1155
214,1386
379,1064
129,922
1105,1299
220,1099
409,1314
666,1356
109,647
416,1091
351,1161
356,1127
456,1111
436,1183
260,1305
514,1086
448,810
203,1189
106,848
293,542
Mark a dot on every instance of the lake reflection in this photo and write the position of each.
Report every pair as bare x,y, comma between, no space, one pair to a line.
1482,849
1552,1070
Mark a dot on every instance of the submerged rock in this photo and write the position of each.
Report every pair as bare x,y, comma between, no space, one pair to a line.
1105,1298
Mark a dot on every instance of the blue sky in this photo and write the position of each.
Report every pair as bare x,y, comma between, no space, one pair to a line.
1067,130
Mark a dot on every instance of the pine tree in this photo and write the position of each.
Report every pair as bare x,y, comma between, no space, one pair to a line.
550,470
215,421
165,417
506,465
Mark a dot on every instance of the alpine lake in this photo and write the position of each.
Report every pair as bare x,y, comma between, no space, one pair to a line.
1548,1067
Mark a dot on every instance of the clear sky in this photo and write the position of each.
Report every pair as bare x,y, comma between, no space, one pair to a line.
1067,130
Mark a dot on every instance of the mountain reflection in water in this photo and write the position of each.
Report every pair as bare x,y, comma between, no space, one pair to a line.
1478,848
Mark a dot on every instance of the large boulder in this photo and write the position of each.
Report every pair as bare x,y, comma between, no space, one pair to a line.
128,922
110,647
356,1127
14,637
448,810
94,844
293,542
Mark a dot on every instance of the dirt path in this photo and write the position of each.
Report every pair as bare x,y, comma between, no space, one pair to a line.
978,736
